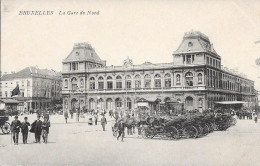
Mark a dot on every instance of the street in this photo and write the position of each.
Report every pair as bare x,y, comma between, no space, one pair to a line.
80,144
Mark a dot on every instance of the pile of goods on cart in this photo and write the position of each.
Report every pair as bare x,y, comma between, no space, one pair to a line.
189,125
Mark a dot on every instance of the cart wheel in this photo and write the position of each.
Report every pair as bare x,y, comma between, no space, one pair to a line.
149,133
173,133
190,132
6,128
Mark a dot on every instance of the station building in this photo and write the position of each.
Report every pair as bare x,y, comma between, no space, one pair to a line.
195,77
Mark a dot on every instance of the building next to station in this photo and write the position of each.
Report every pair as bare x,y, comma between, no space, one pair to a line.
195,77
38,88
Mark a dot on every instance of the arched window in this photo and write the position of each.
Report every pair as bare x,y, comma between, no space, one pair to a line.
74,83
82,83
92,83
109,104
138,81
157,81
129,103
118,103
119,82
66,83
100,104
100,83
147,81
189,79
109,82
128,82
167,80
91,104
199,78
178,79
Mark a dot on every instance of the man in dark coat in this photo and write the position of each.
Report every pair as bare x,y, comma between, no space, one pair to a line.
24,127
103,122
15,128
121,130
37,129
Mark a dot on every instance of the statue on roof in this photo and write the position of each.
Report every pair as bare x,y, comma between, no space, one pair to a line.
128,62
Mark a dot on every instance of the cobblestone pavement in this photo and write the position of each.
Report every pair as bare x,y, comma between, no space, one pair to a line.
80,144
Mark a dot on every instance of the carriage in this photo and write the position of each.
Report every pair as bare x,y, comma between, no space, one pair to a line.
4,124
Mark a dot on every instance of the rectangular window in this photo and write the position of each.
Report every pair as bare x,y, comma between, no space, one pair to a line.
92,85
147,83
128,84
188,59
207,60
210,61
100,85
119,85
168,83
137,84
109,85
157,83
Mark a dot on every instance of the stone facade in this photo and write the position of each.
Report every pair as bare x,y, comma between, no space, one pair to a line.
195,77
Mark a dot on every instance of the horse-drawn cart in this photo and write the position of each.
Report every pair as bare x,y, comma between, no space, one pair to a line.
4,125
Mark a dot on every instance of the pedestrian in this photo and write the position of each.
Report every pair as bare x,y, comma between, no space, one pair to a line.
103,122
133,123
37,129
255,117
78,113
45,129
66,115
96,118
71,114
15,129
25,128
121,130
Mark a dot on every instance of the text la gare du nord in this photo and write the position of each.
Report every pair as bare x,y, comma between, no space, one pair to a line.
89,12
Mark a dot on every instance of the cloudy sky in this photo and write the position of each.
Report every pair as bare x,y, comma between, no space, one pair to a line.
142,30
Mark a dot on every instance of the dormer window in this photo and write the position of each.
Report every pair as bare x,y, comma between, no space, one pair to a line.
91,54
190,44
77,53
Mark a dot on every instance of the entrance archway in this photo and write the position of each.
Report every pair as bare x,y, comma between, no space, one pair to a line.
189,103
74,104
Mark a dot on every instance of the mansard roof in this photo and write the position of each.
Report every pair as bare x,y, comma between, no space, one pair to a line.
83,52
29,72
195,41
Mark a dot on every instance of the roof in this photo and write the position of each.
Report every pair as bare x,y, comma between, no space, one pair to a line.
9,101
29,71
195,41
230,102
83,52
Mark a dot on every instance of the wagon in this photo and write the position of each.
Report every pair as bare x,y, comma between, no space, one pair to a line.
4,125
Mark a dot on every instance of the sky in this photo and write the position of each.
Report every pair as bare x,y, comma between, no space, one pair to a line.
143,30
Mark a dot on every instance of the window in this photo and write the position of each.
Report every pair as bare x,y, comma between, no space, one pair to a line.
92,83
178,79
207,60
137,81
157,81
66,104
109,82
74,83
6,94
119,82
128,82
188,59
74,66
147,81
100,83
82,83
66,83
118,103
28,83
167,80
22,83
189,79
199,78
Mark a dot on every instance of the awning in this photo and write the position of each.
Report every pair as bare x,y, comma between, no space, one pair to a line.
149,100
230,102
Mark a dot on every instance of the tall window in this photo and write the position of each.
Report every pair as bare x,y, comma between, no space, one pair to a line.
189,79
138,81
109,82
147,81
82,83
92,83
100,83
128,82
66,104
119,82
74,66
199,78
178,79
167,80
118,103
74,83
157,80
66,83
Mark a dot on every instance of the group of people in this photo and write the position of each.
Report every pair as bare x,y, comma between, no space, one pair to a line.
38,127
